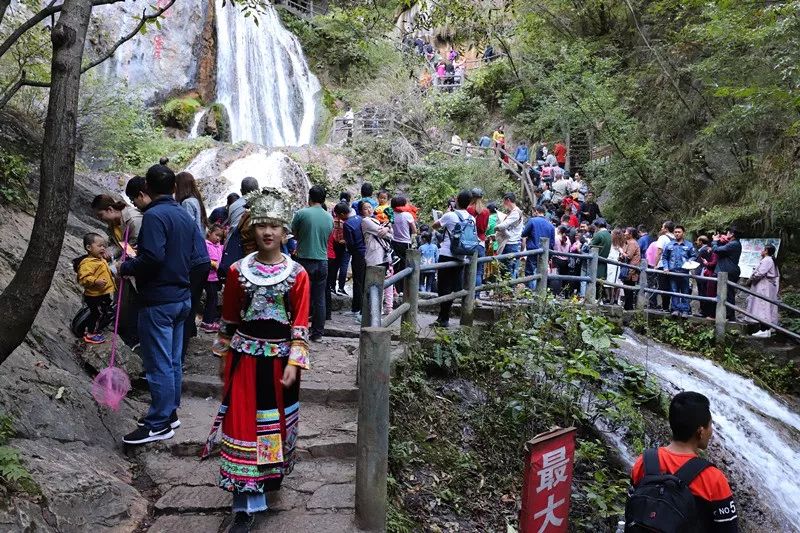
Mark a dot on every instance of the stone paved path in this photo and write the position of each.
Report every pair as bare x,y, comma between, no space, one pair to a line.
319,495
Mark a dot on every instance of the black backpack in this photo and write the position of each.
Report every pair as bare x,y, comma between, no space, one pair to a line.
663,502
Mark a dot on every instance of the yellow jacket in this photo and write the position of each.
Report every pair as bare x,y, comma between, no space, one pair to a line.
92,269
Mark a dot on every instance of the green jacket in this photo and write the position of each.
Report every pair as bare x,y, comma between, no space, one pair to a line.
602,239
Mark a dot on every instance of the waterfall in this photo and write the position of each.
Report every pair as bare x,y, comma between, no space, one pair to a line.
194,132
755,427
263,79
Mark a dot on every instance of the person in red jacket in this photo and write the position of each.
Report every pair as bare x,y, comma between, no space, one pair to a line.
560,151
478,209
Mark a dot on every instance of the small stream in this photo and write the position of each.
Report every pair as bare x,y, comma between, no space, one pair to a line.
759,430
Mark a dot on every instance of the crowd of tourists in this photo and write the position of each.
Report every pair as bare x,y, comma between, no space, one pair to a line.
278,268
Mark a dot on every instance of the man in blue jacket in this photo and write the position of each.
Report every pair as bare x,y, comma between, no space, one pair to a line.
729,250
161,268
675,254
354,242
535,228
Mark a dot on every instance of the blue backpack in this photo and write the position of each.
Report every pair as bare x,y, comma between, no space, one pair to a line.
464,237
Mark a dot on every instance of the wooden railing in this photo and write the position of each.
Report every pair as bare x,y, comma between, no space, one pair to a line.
376,335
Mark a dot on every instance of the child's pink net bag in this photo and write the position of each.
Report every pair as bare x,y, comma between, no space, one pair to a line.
112,384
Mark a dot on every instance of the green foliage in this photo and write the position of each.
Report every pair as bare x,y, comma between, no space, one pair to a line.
124,133
456,443
13,475
791,321
440,179
464,112
14,180
179,112
490,83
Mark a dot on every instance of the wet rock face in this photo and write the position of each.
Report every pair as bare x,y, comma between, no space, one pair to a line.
158,62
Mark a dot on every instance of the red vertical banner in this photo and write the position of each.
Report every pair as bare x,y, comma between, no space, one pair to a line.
547,485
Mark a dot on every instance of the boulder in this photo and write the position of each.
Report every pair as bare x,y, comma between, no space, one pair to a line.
219,171
85,487
97,356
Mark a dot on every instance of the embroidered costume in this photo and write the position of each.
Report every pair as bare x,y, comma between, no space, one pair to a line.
264,327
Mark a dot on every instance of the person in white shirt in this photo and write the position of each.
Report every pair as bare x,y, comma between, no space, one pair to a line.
403,231
451,279
665,237
561,188
509,232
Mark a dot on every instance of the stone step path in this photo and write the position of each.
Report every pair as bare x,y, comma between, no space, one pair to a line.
319,495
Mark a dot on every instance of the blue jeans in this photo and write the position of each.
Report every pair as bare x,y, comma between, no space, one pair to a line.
511,264
161,338
481,266
249,502
679,285
530,270
318,276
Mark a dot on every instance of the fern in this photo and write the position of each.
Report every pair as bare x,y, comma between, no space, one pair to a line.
13,474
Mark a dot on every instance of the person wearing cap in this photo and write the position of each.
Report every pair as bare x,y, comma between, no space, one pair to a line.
478,210
263,346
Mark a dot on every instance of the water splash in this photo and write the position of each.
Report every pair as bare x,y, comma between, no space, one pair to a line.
263,79
194,132
755,427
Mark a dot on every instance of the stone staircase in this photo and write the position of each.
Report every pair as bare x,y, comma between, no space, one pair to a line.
319,494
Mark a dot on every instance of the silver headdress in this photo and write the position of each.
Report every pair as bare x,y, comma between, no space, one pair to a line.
268,205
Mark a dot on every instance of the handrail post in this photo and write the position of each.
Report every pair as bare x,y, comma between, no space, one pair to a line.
641,297
411,288
544,265
372,441
374,278
721,311
468,303
591,289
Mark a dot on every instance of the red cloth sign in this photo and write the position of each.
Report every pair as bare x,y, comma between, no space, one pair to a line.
548,480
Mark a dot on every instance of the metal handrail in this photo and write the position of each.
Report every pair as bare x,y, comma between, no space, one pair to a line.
785,331
761,296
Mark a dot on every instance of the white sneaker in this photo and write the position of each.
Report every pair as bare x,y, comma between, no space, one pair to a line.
763,334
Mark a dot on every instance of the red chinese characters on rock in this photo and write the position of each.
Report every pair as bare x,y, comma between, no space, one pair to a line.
548,481
158,46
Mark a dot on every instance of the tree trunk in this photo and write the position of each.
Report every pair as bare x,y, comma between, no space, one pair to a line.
21,300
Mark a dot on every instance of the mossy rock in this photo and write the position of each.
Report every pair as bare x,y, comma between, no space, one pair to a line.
179,112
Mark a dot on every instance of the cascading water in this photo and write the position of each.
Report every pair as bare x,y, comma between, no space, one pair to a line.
195,131
263,79
753,426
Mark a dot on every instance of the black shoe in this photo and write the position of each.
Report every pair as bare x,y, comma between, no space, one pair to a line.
174,422
242,522
441,323
316,338
144,435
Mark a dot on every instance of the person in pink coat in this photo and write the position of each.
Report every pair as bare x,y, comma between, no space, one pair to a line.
210,323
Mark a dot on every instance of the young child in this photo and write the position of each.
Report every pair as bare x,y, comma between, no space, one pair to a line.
94,275
263,344
429,253
384,212
214,247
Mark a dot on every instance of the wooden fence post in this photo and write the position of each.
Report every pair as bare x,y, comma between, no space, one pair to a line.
374,278
544,265
468,303
722,312
641,297
411,288
591,288
372,444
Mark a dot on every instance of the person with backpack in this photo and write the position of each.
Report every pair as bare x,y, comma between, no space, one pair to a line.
460,240
675,491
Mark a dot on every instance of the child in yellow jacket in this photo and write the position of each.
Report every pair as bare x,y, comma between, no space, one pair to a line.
94,275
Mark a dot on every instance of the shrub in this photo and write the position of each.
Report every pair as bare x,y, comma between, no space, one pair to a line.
13,180
179,112
13,475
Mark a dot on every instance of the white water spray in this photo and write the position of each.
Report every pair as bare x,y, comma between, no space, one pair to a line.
754,426
263,79
194,132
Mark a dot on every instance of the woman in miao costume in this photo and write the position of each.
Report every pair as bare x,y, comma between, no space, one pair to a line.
263,342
